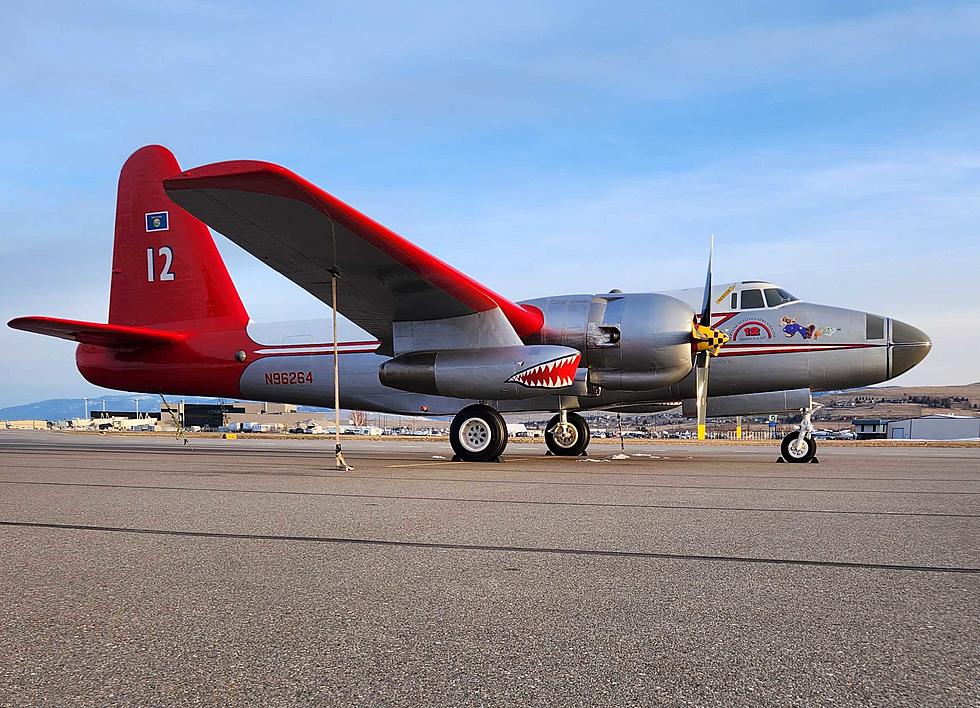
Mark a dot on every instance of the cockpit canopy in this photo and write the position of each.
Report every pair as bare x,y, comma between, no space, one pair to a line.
744,295
755,294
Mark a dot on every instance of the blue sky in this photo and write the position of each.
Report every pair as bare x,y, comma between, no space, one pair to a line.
540,147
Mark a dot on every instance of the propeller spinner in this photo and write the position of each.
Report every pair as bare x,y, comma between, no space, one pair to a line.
708,342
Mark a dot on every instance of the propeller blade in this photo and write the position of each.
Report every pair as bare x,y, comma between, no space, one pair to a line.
701,382
706,303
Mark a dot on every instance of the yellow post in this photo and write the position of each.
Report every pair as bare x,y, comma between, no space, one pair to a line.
738,427
700,431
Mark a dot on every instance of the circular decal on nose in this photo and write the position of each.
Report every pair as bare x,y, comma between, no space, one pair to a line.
752,329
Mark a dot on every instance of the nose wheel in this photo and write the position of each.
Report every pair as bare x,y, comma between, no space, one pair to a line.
800,446
569,437
478,434
798,449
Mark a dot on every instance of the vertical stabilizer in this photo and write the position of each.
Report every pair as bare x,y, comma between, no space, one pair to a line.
165,266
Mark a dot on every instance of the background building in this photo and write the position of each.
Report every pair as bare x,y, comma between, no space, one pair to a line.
870,428
935,427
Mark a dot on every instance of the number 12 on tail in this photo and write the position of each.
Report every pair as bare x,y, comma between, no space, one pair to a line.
167,255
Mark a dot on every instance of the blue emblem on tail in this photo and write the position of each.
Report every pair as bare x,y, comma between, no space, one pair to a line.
158,221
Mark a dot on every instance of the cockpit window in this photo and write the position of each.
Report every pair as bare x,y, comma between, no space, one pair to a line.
734,301
874,327
778,296
752,299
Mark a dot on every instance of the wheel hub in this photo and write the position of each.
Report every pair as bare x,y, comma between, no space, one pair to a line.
565,434
798,448
474,434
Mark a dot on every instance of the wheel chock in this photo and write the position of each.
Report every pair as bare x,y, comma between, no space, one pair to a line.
455,458
815,461
780,459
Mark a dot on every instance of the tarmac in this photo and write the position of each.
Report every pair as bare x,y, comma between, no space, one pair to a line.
137,571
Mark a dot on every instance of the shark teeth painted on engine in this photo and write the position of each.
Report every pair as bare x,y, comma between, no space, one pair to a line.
557,373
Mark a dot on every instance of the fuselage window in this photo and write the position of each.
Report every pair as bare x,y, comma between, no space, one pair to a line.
874,327
734,301
751,299
778,296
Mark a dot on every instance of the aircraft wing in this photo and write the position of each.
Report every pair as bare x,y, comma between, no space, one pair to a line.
306,233
103,335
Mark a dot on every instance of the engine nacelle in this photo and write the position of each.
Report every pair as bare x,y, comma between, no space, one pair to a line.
498,373
632,342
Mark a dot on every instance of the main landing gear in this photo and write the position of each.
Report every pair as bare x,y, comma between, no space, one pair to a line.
567,434
799,446
479,434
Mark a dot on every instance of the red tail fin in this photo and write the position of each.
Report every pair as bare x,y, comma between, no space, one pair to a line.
165,266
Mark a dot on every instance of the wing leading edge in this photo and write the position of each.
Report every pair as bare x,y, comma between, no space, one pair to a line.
306,233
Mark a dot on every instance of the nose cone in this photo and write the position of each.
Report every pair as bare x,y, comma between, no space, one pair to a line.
909,346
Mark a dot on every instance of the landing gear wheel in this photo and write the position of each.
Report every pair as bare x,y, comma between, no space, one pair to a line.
478,434
795,451
569,439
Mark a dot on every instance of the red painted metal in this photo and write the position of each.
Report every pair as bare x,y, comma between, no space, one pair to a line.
201,293
104,335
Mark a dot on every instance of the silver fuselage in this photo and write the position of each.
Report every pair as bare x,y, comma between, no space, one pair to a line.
792,346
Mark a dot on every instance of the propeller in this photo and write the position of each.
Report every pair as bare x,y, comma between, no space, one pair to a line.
708,341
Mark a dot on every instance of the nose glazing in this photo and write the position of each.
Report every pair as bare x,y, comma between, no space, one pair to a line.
909,345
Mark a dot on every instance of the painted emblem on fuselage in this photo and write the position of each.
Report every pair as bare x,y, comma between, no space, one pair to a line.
791,328
157,221
557,373
752,329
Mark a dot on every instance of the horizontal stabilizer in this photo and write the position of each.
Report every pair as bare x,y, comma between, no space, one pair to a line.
103,335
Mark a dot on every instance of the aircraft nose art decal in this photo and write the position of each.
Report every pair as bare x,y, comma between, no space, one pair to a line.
557,373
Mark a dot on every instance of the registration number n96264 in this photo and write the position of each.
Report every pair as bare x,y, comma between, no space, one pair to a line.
288,377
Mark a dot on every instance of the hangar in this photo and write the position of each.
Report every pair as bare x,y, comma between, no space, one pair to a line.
935,427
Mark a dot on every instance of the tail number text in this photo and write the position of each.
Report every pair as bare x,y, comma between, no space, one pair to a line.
278,378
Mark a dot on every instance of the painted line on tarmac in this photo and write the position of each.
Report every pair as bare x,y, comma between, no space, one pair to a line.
285,470
497,549
478,500
330,473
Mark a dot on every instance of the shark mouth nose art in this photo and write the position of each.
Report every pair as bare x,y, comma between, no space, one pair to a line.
557,373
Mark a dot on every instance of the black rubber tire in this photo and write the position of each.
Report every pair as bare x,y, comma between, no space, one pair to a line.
582,438
811,449
496,437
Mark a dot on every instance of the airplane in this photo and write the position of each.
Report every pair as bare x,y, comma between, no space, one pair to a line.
440,343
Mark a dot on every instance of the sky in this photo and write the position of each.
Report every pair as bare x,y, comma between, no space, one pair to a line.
542,148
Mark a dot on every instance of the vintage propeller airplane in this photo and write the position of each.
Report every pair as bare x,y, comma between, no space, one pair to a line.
443,343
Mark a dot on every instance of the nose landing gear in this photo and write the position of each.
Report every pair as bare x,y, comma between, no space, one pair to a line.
800,447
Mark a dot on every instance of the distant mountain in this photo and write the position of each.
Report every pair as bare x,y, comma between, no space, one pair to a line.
66,408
